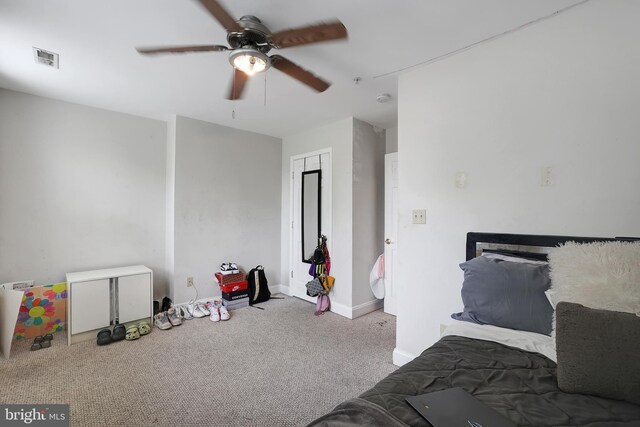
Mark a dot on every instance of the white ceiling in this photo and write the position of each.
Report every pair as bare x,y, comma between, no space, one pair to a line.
99,66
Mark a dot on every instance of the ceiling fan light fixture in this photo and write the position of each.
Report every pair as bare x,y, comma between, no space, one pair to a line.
249,60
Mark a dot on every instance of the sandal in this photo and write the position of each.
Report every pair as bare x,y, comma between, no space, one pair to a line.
104,337
46,342
37,343
144,328
132,333
119,332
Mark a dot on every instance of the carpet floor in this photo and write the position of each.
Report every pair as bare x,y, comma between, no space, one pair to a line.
281,366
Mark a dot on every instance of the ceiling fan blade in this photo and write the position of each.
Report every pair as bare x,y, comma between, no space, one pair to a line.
221,14
299,73
181,49
309,34
237,84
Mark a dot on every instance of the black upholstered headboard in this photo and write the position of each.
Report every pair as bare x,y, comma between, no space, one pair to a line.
529,245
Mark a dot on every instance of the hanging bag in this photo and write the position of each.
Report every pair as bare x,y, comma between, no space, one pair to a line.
314,287
323,304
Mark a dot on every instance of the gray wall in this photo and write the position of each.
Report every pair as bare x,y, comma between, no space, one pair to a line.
563,94
338,136
80,188
227,204
391,140
368,206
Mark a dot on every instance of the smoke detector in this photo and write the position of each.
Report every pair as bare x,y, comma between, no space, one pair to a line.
383,98
44,57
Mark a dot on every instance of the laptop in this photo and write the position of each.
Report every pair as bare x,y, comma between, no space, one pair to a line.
454,407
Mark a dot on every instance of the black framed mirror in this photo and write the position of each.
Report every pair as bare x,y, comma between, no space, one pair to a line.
310,213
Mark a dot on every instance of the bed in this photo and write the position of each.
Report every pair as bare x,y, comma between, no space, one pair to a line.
512,371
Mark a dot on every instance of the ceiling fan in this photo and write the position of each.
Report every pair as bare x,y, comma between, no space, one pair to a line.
250,41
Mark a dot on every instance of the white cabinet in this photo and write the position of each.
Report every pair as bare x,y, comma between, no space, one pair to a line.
100,298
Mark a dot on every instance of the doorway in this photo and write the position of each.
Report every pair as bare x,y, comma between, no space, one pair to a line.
299,270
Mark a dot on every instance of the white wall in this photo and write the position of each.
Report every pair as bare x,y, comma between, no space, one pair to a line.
338,136
368,208
391,140
562,93
80,188
227,204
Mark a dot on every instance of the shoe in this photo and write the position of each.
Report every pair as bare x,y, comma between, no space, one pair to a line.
203,308
144,328
119,332
161,321
184,312
133,333
195,311
215,314
173,317
104,337
224,313
156,307
166,304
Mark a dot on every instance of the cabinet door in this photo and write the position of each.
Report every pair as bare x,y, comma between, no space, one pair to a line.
90,305
134,297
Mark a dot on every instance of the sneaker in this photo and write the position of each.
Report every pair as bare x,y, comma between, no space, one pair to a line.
166,304
184,312
161,321
215,314
195,311
224,313
203,308
174,318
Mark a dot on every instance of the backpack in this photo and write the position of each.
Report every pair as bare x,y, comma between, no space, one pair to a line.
257,286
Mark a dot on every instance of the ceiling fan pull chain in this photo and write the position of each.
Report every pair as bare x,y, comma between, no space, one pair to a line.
265,89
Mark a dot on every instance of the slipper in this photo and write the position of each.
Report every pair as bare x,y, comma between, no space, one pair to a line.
119,332
104,337
132,333
46,342
37,343
144,328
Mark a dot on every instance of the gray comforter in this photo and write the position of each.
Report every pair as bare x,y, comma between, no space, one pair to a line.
520,385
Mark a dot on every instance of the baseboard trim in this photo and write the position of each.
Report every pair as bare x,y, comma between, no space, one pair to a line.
367,307
280,289
401,357
356,311
342,310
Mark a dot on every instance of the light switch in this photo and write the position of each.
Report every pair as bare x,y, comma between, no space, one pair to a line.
419,216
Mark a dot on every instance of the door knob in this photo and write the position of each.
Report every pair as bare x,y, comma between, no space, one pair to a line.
388,241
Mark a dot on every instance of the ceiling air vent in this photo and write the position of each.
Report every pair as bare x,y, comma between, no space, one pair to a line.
45,57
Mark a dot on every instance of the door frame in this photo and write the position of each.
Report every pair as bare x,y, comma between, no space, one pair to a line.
391,286
328,229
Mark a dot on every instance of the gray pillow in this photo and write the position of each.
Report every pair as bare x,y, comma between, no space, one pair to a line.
598,352
506,294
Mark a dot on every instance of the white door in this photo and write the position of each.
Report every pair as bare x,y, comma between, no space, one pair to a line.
304,163
390,232
134,297
90,305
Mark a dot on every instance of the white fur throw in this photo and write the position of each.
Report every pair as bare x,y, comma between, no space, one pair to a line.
603,275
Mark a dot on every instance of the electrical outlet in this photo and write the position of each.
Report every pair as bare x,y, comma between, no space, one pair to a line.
189,282
419,216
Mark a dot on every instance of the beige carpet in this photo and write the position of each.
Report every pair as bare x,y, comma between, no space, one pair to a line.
281,366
